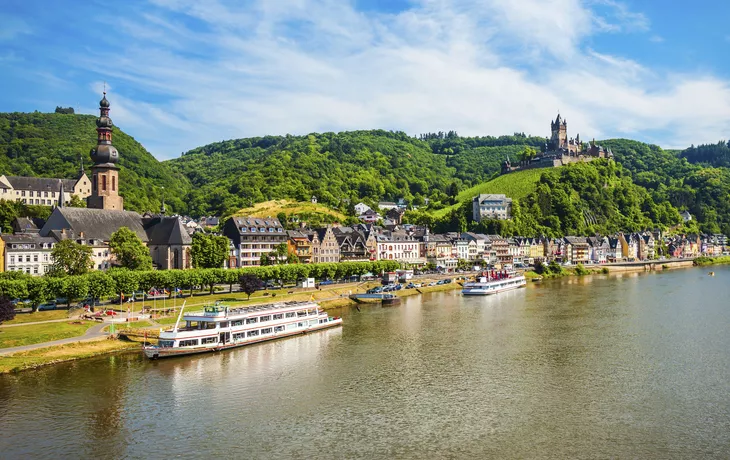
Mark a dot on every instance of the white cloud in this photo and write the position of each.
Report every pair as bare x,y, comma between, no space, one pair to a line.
478,66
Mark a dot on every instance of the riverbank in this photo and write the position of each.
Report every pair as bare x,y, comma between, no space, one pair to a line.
32,359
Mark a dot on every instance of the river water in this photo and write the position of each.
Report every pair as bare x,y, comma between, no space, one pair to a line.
633,365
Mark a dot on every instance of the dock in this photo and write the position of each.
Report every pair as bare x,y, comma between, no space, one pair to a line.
384,297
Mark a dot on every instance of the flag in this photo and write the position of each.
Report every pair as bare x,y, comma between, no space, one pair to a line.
122,296
167,292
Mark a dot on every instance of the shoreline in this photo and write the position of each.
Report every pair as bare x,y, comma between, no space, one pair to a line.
26,360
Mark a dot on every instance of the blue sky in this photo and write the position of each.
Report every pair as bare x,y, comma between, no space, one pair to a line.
184,73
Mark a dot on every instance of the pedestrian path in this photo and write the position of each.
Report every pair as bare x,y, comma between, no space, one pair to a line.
62,320
94,332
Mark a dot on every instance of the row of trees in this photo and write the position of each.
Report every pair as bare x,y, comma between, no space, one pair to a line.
99,285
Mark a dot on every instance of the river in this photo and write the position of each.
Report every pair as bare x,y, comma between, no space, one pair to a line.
632,365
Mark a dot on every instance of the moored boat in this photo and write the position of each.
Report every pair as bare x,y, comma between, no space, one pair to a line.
486,285
219,327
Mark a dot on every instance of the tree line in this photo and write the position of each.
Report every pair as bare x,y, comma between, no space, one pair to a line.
100,285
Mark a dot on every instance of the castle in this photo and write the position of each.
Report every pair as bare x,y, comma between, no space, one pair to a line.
559,150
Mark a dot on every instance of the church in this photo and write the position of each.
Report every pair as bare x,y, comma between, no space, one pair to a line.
167,237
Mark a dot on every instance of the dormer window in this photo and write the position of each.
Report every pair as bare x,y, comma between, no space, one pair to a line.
271,230
253,229
262,229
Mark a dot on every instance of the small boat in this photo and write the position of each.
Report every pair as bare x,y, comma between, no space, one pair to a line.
219,327
536,279
487,285
711,273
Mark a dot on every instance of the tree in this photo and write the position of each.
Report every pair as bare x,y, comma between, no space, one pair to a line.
129,250
71,258
250,283
208,250
38,291
7,310
282,218
76,202
100,285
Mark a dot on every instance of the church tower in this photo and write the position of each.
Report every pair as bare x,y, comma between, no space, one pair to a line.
105,172
559,139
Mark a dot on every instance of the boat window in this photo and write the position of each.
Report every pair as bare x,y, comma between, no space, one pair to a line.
192,325
302,313
209,340
209,325
291,314
264,318
278,328
166,343
278,316
312,312
237,323
188,343
300,324
224,324
253,333
251,320
239,336
291,326
312,322
267,330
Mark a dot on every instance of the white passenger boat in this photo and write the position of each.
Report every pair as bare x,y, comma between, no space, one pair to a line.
488,286
219,327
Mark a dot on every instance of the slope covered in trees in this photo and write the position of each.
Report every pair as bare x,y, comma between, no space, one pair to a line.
54,144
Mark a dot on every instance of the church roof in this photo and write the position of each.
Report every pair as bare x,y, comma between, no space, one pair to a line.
95,223
167,231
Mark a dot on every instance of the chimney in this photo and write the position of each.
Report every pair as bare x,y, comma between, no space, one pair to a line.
81,235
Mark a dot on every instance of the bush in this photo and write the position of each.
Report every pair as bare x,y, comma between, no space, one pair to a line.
580,270
605,270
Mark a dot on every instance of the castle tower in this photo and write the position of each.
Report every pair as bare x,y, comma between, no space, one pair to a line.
105,172
559,128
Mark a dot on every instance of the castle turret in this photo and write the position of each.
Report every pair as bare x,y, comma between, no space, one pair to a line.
105,172
559,129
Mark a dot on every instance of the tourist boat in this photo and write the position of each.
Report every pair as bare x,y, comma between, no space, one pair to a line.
219,327
486,285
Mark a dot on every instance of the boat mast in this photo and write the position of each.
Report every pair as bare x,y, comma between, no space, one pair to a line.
179,316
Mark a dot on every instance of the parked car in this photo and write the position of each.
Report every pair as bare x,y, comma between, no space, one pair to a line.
326,282
47,306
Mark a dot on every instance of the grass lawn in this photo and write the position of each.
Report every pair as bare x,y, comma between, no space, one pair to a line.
22,318
68,352
516,185
37,333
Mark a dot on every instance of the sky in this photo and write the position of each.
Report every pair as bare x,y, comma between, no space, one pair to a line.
184,73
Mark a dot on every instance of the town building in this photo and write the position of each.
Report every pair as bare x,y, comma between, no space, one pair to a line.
27,252
491,206
253,237
300,245
327,248
43,191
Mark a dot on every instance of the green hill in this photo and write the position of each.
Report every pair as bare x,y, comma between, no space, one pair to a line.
516,185
54,144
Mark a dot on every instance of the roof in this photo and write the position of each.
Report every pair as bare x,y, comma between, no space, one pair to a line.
167,231
94,223
294,234
25,238
492,197
40,183
245,224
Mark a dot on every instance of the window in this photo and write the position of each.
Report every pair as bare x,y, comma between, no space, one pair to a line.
279,329
165,343
251,320
267,330
252,333
27,258
264,318
103,183
239,336
208,340
253,229
224,324
35,270
237,323
291,314
45,194
279,316
12,259
114,183
188,343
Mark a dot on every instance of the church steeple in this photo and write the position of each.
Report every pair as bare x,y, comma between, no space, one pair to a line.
105,172
61,193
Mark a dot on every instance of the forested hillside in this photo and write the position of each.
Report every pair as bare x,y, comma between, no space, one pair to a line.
344,168
54,144
702,190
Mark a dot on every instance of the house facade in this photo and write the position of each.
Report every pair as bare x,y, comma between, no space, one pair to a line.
491,206
253,237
